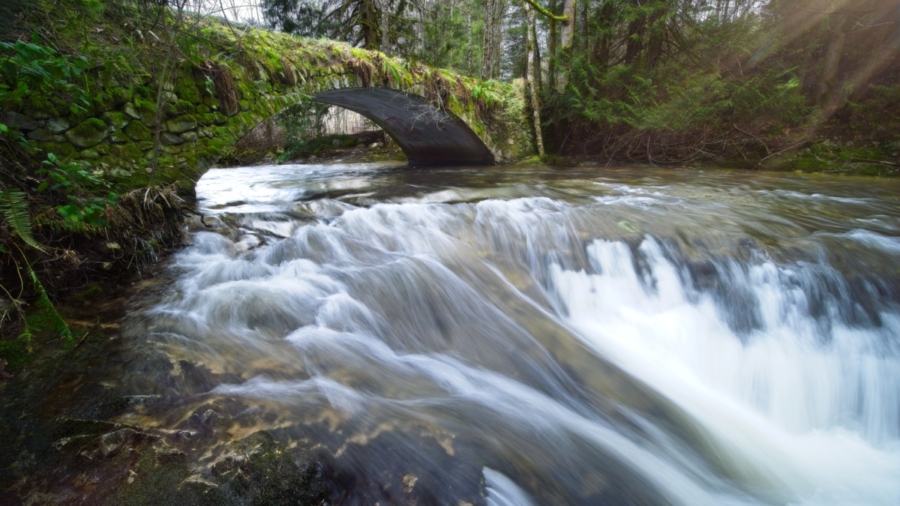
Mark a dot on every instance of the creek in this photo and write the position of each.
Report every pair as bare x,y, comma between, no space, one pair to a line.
530,335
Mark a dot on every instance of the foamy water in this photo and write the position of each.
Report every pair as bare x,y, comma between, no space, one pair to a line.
515,336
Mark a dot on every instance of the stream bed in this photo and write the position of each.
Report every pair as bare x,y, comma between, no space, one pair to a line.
538,336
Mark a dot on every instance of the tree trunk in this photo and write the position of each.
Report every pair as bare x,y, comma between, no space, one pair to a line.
603,47
583,36
370,34
568,31
497,45
530,72
486,41
469,47
657,39
537,68
422,31
551,49
566,38
386,27
634,37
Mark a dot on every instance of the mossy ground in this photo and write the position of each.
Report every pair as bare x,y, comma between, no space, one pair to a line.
879,159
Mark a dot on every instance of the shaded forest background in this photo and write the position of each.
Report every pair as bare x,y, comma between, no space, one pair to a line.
656,81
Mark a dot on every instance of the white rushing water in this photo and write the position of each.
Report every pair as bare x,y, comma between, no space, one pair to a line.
587,339
822,419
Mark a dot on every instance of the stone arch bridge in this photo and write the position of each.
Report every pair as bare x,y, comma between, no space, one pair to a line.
209,106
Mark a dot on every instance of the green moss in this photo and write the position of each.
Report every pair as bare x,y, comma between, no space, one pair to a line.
185,107
828,157
92,125
88,133
106,161
147,110
137,131
869,170
16,352
41,109
89,154
143,92
186,88
206,119
116,119
225,135
126,152
111,98
62,150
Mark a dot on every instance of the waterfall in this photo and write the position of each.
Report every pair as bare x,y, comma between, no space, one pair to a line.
530,337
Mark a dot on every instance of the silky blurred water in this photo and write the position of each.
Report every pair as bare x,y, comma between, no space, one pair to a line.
530,335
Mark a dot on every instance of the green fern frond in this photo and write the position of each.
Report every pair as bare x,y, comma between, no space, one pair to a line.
46,318
14,208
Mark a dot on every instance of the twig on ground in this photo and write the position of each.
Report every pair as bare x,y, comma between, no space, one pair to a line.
768,152
793,146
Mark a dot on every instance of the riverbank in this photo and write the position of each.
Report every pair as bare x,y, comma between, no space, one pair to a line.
368,311
87,418
66,441
817,156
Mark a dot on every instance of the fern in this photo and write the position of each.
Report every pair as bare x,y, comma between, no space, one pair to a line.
15,209
46,317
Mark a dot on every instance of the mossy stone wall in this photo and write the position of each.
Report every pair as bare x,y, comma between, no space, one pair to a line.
269,72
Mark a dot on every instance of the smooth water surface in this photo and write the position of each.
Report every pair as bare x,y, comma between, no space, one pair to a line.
529,335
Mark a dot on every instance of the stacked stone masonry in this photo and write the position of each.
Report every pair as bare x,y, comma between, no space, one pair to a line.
196,129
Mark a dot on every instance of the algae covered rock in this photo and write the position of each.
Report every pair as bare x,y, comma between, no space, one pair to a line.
117,138
137,131
128,151
169,139
88,134
89,154
115,119
10,118
60,149
57,125
43,135
131,111
181,124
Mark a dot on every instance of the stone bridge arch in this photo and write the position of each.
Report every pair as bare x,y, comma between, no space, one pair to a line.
209,106
428,135
480,128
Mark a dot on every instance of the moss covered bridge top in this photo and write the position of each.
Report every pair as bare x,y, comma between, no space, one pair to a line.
221,83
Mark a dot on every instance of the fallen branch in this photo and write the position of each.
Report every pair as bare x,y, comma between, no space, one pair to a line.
794,146
882,162
755,137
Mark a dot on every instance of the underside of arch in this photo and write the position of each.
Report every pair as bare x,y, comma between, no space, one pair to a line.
426,134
